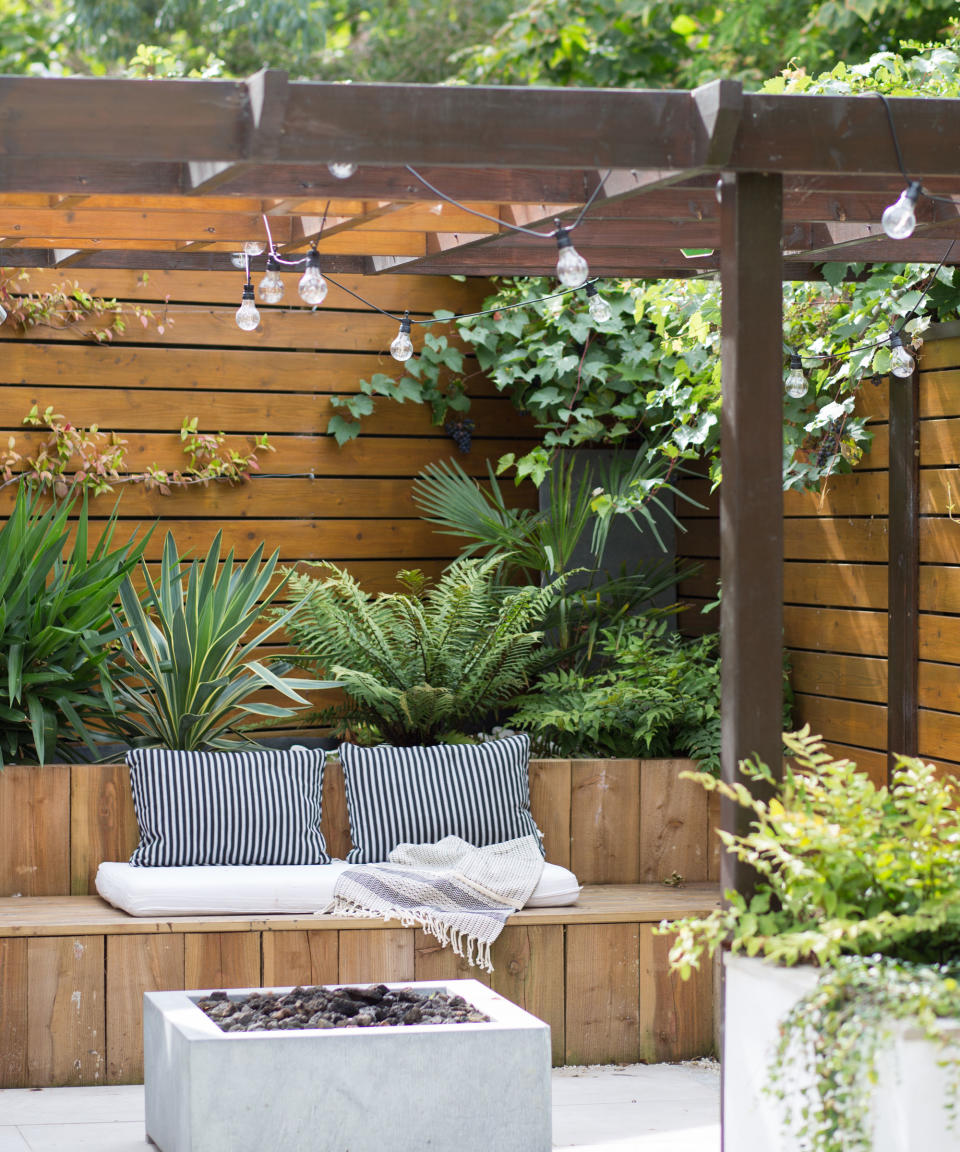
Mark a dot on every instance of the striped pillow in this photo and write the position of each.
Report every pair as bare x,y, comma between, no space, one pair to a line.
479,792
251,807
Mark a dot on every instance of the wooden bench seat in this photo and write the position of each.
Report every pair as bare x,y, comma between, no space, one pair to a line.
73,971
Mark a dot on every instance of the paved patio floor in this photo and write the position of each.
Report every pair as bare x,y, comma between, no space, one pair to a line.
638,1108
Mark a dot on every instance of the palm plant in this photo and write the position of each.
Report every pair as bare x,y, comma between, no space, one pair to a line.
184,671
423,666
55,629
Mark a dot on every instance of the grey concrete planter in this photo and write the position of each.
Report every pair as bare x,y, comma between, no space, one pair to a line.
468,1087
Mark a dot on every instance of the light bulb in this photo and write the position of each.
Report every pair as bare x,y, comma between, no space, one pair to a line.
271,286
238,260
572,269
900,219
402,347
795,381
901,362
342,171
312,286
3,313
600,310
247,315
253,248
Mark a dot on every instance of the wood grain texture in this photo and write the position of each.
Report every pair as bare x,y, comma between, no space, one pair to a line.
676,1016
715,849
939,589
835,538
550,797
835,585
219,960
868,760
300,958
939,735
103,823
335,821
383,954
435,961
673,823
602,994
845,721
14,1019
35,830
136,964
855,494
939,638
605,821
835,630
528,969
939,540
846,677
66,1033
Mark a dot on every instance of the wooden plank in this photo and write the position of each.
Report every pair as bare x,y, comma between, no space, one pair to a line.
605,821
938,735
939,491
939,443
855,494
835,630
845,677
14,1010
868,760
676,1016
136,964
846,721
673,823
35,830
435,961
939,540
528,969
66,1036
602,994
939,638
304,958
335,821
89,915
715,844
550,801
939,687
835,585
835,538
940,353
103,823
939,388
218,960
383,954
245,413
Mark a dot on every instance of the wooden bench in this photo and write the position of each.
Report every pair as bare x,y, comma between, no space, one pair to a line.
73,970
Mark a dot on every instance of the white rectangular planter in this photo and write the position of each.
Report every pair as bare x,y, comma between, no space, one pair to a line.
908,1108
463,1087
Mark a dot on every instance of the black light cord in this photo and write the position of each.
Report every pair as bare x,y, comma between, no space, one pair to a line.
896,139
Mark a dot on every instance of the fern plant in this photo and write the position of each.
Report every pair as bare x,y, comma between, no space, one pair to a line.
428,665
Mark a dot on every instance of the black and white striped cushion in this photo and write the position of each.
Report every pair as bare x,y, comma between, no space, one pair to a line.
479,792
251,807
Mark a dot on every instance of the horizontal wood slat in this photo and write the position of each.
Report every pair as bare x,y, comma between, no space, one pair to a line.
835,539
835,630
845,721
835,585
939,638
839,677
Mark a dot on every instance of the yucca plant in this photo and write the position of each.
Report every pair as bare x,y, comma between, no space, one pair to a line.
55,629
428,665
185,671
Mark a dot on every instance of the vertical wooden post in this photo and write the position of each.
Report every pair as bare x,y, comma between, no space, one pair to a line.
751,495
903,570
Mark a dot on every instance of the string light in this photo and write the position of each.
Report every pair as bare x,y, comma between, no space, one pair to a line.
247,315
572,269
254,248
600,310
402,347
238,259
900,219
902,363
3,313
795,383
271,286
312,286
342,171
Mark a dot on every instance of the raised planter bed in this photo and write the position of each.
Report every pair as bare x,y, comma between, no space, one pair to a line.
472,1087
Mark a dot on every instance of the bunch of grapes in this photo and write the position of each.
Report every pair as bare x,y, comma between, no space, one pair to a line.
830,444
460,432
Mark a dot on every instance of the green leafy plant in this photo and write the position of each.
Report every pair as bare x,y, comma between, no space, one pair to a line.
428,665
863,881
185,669
55,629
654,694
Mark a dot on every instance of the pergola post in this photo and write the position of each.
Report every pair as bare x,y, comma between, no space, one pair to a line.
751,495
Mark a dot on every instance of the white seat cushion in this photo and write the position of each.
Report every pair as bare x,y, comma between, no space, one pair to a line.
214,889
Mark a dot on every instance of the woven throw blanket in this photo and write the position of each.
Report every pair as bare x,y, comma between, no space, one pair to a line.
456,892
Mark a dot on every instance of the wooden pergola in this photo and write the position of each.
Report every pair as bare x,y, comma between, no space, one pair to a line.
178,174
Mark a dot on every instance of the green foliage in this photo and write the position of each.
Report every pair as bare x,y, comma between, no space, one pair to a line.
55,629
838,1030
845,867
656,694
185,669
424,666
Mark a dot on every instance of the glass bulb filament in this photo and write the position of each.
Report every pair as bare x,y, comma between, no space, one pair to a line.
312,286
600,310
901,362
795,382
402,347
572,269
900,219
271,286
247,315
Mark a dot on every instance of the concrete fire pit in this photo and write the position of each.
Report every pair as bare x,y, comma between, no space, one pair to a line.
462,1087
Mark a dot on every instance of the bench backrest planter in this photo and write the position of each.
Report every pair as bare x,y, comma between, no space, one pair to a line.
610,821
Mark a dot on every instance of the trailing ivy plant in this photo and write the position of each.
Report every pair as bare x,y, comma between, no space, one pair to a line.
69,306
93,461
